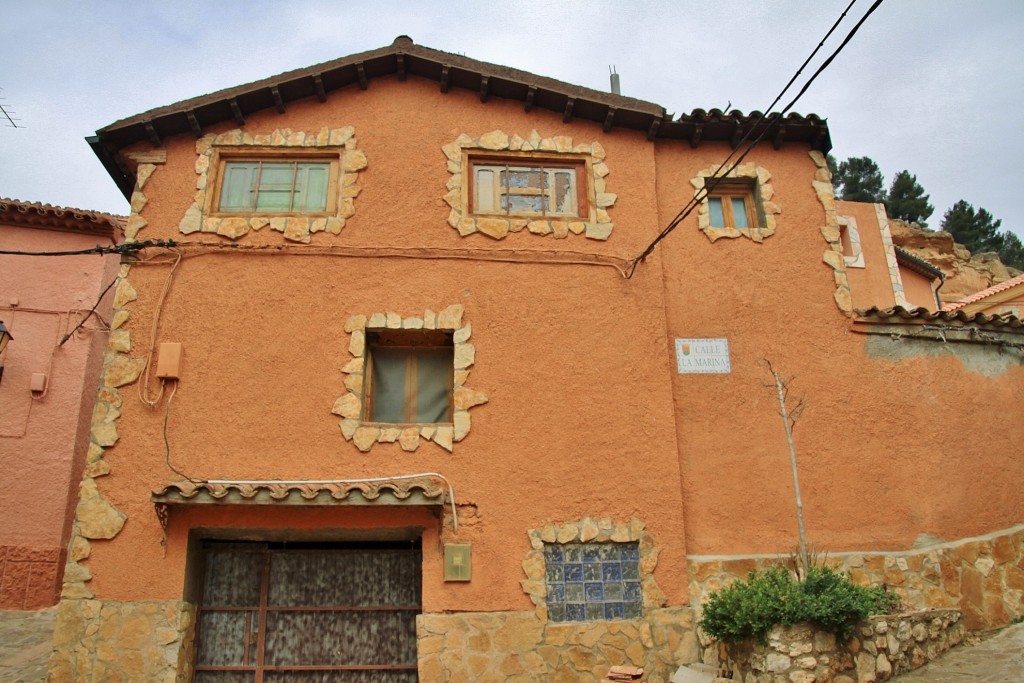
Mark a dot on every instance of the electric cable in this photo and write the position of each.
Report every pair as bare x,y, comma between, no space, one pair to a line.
89,314
774,120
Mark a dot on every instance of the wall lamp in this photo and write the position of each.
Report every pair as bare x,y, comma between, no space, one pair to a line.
5,336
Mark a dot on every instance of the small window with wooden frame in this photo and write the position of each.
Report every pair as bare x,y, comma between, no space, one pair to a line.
410,376
274,182
732,203
528,185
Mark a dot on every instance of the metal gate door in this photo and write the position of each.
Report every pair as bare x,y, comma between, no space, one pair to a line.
317,614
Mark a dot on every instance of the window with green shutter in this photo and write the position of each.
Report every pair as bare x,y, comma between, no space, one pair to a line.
275,186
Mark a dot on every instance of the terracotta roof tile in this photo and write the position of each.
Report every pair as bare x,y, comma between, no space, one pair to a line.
898,314
49,217
288,493
985,293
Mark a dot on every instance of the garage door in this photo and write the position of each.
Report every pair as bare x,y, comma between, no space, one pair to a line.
272,613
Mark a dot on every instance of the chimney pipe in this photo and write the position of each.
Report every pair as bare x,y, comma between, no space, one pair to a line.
616,90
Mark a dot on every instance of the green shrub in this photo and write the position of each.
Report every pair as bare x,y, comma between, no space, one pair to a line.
748,609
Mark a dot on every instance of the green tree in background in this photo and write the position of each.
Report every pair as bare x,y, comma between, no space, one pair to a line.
907,200
1012,252
860,179
833,168
976,230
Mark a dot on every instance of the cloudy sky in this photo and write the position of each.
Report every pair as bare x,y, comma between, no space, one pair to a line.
933,86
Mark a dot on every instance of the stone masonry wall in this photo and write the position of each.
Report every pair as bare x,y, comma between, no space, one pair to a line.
121,642
983,577
28,576
881,648
518,647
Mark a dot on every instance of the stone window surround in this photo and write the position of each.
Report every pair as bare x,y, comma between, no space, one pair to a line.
341,141
850,224
590,530
596,225
762,195
363,433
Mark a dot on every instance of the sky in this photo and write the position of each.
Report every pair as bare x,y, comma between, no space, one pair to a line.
932,86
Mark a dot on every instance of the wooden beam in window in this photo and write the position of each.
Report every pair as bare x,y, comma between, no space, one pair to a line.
151,133
193,123
236,112
361,75
567,114
780,135
609,119
531,92
278,100
652,132
318,87
445,72
698,130
400,65
484,83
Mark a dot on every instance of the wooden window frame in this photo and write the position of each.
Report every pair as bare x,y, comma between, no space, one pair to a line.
728,190
577,163
221,157
406,339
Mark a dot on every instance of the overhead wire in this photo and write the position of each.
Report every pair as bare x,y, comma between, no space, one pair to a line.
773,120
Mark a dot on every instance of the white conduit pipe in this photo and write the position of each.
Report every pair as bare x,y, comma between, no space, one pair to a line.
300,482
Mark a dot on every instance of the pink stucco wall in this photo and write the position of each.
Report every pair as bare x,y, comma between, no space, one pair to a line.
43,439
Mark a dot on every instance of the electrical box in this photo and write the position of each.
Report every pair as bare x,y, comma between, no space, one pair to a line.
456,562
38,383
168,365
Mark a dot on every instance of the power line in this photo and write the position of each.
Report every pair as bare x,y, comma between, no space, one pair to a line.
773,120
127,248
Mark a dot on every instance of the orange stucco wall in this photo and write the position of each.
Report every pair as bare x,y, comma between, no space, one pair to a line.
587,416
870,285
43,439
918,289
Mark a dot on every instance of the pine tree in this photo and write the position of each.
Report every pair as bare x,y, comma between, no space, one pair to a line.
1012,252
976,230
860,179
907,200
833,168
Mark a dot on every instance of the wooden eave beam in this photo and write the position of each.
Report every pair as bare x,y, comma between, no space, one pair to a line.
484,83
652,132
698,130
737,135
445,75
318,87
275,92
154,137
780,136
531,93
609,119
236,112
361,75
567,114
400,65
193,123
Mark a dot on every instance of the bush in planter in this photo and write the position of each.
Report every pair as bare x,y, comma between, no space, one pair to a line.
748,609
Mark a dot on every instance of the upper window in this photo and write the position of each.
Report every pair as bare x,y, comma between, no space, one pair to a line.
410,376
526,187
276,184
732,205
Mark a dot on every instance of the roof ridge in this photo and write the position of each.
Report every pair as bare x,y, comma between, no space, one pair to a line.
985,293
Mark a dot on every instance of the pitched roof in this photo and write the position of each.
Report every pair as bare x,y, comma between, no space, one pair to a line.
918,265
421,490
985,293
67,219
404,58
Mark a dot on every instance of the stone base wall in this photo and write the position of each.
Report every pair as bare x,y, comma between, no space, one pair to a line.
29,576
882,647
983,577
122,641
518,647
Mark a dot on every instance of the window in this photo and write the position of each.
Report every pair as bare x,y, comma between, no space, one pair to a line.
275,183
526,187
593,581
732,205
410,376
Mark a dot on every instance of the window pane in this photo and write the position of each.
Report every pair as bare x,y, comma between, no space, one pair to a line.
523,203
232,579
564,187
433,395
311,187
236,192
223,638
739,212
484,191
388,385
519,178
715,208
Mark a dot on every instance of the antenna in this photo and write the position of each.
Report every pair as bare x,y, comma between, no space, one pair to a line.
616,89
5,113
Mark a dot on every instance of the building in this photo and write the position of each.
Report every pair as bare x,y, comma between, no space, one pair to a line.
404,390
58,313
1001,299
